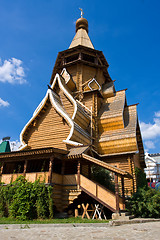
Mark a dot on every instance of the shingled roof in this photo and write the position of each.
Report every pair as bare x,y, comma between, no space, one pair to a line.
129,130
5,147
113,106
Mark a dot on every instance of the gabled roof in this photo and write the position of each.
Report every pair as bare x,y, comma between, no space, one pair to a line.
76,151
5,147
129,130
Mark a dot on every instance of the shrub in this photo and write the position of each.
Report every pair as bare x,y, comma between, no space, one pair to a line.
25,200
141,179
145,203
103,177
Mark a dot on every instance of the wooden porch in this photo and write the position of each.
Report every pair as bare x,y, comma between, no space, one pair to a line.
69,176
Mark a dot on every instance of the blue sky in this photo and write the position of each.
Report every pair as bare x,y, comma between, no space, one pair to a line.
33,32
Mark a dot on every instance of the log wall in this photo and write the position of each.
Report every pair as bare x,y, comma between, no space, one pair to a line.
50,131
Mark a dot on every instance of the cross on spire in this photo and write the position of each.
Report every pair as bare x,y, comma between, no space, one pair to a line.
81,12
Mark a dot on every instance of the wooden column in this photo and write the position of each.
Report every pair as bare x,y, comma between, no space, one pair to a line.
1,170
123,195
50,169
62,170
131,172
89,170
117,193
25,167
78,174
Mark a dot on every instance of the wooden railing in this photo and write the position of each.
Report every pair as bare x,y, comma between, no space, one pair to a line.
101,194
8,178
70,179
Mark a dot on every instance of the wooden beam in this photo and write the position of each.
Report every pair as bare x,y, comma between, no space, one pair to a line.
123,194
78,174
1,170
25,167
117,193
50,169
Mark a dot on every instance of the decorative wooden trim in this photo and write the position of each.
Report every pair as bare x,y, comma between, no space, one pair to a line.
33,152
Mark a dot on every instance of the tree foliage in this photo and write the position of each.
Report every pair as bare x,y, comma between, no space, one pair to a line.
103,177
25,200
141,178
146,201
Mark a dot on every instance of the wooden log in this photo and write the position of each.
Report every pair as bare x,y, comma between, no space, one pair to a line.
123,195
25,167
1,171
50,169
117,193
78,174
76,212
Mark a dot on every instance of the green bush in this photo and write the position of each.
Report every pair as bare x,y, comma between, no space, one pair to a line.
103,177
144,203
25,200
141,179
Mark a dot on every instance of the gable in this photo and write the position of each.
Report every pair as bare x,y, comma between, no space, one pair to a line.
49,131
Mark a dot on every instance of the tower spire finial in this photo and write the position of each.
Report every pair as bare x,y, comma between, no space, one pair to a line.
82,13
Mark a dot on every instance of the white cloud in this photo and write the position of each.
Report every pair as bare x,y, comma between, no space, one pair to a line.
15,145
11,71
150,131
149,144
3,103
157,114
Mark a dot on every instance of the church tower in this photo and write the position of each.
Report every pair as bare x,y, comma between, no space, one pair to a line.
88,69
81,122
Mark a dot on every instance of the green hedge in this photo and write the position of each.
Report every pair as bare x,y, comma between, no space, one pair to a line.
25,200
146,201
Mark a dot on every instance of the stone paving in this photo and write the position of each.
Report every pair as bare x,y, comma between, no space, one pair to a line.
139,231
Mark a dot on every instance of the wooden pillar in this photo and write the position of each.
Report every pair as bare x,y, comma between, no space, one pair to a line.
131,172
123,195
117,193
1,171
62,170
50,169
78,174
25,167
89,170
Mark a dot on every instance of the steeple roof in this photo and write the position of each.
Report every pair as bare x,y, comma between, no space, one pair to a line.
81,37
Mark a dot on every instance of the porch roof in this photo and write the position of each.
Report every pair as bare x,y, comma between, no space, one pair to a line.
32,154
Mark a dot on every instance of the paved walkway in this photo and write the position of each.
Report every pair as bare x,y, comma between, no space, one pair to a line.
139,231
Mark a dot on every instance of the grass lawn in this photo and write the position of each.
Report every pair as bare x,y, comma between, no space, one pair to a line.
4,220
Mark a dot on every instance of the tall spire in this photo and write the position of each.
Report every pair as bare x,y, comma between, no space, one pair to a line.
81,37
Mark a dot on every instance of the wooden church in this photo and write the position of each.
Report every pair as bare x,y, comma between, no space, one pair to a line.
81,122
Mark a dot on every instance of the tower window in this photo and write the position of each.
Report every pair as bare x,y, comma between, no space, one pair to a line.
72,58
88,58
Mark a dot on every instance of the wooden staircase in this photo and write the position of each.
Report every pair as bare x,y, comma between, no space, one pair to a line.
63,196
99,193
